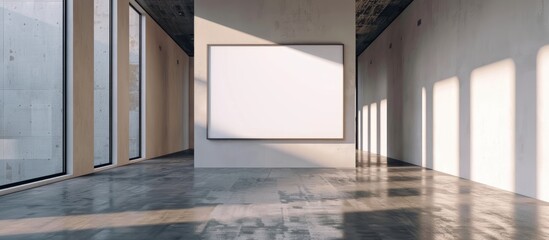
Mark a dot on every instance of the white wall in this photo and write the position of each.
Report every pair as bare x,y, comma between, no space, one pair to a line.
191,103
268,22
482,68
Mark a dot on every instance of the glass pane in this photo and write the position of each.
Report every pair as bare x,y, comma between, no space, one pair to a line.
102,78
31,90
135,84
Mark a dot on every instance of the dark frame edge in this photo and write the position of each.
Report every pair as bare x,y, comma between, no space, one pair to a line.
140,82
272,44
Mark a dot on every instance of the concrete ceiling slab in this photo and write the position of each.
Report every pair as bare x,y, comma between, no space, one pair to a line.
372,17
176,17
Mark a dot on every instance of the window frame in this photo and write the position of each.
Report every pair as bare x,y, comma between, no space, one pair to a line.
111,25
140,135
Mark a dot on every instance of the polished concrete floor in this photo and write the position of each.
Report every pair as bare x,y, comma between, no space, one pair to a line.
167,198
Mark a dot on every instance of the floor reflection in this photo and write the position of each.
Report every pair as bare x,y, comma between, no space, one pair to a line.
167,198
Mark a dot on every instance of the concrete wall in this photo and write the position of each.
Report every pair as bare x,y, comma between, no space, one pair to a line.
460,86
136,83
101,80
31,83
267,22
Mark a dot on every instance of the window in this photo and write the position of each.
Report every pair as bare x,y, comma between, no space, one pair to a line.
32,91
102,83
135,84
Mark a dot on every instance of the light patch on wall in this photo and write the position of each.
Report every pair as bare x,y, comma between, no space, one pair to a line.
9,149
302,156
224,30
446,126
543,124
493,124
383,127
365,127
423,127
373,128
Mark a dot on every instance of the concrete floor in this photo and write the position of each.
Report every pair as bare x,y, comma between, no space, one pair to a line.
167,198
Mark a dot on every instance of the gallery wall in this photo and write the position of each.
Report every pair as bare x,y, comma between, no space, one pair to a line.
273,22
459,87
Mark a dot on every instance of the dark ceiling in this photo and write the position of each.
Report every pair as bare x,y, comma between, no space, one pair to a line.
176,18
372,17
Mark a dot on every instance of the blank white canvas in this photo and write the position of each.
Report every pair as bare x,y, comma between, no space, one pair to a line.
276,92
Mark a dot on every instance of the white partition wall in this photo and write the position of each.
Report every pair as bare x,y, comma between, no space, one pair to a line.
284,143
275,92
